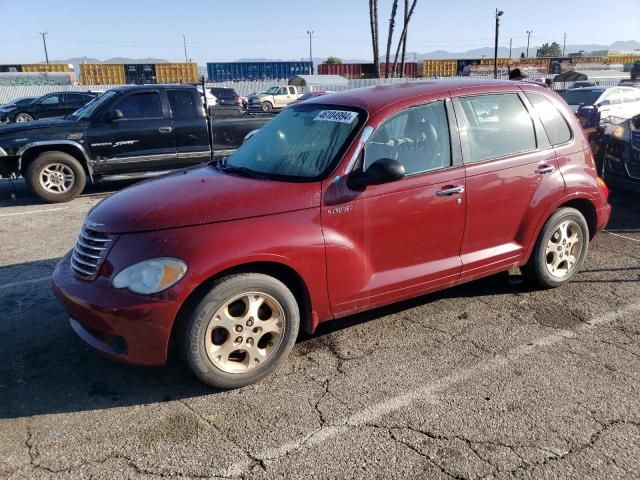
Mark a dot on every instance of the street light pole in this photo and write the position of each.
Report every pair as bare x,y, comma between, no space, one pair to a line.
310,33
495,50
44,41
184,42
564,43
529,32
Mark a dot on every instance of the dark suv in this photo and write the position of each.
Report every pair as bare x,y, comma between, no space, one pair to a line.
227,96
58,104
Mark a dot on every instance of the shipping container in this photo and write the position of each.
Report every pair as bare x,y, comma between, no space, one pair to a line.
138,73
439,68
410,70
229,71
347,70
37,67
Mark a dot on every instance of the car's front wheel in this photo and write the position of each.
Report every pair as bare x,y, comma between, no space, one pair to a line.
267,107
56,177
23,117
560,249
240,331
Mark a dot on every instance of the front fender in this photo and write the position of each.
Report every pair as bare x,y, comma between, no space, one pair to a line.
50,145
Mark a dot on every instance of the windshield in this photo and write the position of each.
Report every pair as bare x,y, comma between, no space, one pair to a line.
272,90
86,111
577,97
303,142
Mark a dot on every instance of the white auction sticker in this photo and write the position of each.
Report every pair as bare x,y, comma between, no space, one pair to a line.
341,116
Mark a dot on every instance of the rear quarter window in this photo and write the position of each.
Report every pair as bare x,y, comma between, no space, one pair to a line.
555,125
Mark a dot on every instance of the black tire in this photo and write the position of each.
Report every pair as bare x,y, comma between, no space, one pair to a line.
36,170
536,269
192,333
22,117
267,107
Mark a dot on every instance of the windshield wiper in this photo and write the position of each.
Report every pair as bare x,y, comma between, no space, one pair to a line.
244,171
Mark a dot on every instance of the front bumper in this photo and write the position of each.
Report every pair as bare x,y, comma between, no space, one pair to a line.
119,324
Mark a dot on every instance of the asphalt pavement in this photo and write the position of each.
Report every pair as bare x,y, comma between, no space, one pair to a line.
492,379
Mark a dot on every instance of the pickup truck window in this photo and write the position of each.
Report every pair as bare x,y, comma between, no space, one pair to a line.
282,91
302,143
86,111
271,91
182,104
141,105
292,90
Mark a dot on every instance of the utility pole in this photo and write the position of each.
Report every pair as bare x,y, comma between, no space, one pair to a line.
529,32
44,41
564,43
184,42
510,43
310,33
495,51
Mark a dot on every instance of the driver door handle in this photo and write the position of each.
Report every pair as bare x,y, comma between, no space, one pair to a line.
545,169
447,192
165,129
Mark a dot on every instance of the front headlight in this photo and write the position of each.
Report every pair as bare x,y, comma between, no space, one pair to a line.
151,276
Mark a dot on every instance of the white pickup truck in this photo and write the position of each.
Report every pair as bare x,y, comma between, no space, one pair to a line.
274,98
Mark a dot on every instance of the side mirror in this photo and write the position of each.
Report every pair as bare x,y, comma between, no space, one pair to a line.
604,103
381,171
114,115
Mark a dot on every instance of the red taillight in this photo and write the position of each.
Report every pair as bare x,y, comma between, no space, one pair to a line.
604,188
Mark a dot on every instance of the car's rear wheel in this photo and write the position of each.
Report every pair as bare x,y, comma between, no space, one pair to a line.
56,177
267,107
560,249
240,331
23,117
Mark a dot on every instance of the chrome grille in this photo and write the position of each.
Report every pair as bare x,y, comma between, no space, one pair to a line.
89,253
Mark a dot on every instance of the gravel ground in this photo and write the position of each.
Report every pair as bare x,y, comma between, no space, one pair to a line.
490,379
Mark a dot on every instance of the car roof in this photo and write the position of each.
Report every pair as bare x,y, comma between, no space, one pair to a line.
124,88
372,99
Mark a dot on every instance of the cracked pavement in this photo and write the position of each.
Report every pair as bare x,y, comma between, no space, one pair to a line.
491,379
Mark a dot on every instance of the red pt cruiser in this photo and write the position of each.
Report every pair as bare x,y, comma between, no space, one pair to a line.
340,204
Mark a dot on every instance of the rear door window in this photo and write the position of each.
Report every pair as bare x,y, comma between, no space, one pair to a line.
555,125
497,125
182,104
141,105
417,137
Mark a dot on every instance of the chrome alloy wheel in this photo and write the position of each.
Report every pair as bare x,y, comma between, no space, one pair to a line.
23,117
57,178
244,332
564,249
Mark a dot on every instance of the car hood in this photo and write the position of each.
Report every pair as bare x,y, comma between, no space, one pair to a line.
198,196
44,124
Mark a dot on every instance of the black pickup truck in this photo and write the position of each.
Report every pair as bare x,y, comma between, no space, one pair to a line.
127,132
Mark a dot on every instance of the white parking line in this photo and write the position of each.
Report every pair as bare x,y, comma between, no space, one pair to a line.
378,410
34,211
622,236
24,282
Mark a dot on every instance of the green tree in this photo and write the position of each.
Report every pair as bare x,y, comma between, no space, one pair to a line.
547,50
333,61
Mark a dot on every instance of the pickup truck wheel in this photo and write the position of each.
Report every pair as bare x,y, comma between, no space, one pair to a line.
240,331
56,177
560,249
267,107
23,117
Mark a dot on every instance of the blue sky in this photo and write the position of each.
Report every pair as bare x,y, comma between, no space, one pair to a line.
220,30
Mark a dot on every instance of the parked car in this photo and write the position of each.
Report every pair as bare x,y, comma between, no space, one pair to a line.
621,161
274,98
17,103
308,95
51,105
245,100
611,102
211,99
340,204
226,96
583,84
127,132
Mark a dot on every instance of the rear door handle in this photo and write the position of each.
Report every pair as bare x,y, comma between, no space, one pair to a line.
165,129
545,170
447,192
